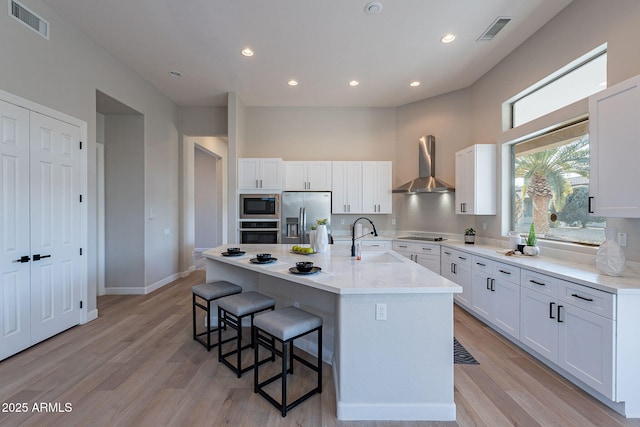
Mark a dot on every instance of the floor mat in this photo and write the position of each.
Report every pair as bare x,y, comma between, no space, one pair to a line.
461,355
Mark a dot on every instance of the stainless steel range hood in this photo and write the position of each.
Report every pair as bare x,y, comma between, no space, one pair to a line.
426,182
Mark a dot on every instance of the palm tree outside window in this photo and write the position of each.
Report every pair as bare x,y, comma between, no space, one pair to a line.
551,187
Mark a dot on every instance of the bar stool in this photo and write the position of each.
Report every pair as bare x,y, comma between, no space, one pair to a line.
209,292
231,311
286,325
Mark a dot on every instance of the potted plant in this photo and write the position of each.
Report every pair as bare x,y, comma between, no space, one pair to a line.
470,236
531,248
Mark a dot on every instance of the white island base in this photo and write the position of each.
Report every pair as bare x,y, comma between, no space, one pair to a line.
400,368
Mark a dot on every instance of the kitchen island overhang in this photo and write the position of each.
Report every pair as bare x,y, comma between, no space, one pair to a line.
400,368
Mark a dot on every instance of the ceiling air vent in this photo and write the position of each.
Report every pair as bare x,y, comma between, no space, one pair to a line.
28,18
494,28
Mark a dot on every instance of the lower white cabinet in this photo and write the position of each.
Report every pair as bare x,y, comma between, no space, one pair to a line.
496,294
572,326
455,265
427,255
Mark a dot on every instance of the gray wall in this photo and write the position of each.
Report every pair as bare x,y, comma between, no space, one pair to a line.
206,200
63,73
124,201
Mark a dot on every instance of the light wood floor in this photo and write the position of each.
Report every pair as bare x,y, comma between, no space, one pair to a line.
137,365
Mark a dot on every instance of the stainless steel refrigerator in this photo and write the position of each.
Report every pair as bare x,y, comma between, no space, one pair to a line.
300,210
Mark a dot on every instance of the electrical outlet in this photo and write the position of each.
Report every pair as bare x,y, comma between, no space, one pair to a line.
393,221
342,222
622,239
381,311
484,225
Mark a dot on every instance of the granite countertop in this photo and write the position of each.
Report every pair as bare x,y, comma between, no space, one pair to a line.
377,272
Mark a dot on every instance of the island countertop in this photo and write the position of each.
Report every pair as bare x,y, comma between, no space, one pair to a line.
377,272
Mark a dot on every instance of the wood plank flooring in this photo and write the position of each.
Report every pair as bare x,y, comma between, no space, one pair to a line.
137,365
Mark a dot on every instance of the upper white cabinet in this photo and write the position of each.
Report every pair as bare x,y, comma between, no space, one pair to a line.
376,187
311,176
346,187
476,180
260,174
614,144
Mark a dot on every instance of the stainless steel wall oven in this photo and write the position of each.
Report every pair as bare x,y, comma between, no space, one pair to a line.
264,231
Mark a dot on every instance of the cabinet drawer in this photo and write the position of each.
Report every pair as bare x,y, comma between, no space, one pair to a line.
482,264
427,249
376,244
540,283
506,272
402,246
589,299
462,258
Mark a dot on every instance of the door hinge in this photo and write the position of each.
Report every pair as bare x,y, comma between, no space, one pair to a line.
81,198
80,304
80,251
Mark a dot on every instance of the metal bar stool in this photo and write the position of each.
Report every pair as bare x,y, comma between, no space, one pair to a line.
285,325
231,311
209,292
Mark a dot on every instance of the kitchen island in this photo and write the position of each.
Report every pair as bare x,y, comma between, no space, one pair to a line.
388,325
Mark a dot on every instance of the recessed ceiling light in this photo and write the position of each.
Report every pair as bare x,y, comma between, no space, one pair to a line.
246,52
354,83
292,83
175,73
373,8
414,84
448,38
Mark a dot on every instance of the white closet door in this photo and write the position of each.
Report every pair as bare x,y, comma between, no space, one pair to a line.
14,222
55,226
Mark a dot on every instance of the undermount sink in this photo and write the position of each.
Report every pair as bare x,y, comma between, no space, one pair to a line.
379,257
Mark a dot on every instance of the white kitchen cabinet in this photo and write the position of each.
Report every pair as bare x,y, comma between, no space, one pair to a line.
614,147
376,187
309,176
255,175
427,255
346,196
572,326
455,265
496,294
476,180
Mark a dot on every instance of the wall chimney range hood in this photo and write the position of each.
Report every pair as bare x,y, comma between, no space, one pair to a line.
426,181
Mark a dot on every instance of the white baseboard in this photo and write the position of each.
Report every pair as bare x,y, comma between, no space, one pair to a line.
92,315
396,411
144,290
188,271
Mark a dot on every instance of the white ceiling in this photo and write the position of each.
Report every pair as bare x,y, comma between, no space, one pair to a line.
322,44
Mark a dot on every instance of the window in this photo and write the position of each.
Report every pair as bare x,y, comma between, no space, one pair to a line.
580,79
550,186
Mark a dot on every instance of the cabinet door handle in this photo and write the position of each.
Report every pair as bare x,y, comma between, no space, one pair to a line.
493,285
453,269
504,272
481,264
257,184
38,257
23,258
582,298
559,307
488,283
590,210
551,304
415,257
402,246
260,183
536,283
448,253
426,249
462,258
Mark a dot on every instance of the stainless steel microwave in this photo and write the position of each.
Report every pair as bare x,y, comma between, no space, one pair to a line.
259,206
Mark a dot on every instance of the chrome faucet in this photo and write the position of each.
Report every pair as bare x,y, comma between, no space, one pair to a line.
353,234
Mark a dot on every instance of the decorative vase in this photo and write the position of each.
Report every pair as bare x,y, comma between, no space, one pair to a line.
531,250
610,258
312,240
469,238
322,239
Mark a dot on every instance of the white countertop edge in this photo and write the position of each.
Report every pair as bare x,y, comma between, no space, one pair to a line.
444,286
627,283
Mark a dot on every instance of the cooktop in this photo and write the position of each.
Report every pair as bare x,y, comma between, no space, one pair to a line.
426,239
